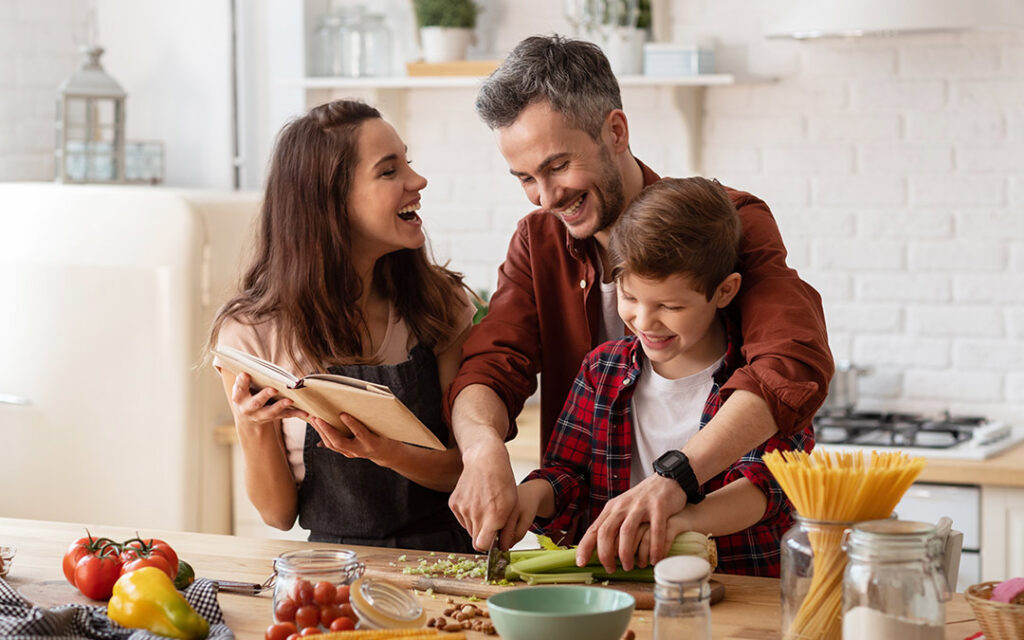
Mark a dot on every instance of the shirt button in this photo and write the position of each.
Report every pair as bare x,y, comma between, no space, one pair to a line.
583,284
627,381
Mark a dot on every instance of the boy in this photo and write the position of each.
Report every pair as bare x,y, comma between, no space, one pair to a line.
636,401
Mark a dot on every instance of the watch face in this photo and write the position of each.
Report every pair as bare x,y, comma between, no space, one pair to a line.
670,463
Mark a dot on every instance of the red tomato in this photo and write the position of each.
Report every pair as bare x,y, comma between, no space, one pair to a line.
285,610
324,593
343,594
349,612
302,592
280,631
343,624
310,631
78,550
294,636
307,616
85,547
328,613
95,575
159,562
152,547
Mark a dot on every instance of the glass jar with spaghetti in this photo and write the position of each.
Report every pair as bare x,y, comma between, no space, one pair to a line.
893,587
812,560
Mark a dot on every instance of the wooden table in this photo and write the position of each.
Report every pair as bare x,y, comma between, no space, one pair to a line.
750,609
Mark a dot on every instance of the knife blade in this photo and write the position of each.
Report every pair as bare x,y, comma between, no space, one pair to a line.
497,560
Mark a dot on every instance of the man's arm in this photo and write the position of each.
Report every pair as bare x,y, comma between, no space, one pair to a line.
500,361
785,342
484,500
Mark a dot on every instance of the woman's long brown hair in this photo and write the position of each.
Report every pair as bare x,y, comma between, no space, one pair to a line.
302,277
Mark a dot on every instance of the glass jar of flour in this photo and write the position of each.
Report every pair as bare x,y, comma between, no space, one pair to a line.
893,587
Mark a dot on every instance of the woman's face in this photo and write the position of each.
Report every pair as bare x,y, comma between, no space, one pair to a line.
385,195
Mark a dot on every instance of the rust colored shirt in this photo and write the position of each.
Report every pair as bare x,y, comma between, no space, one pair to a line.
545,313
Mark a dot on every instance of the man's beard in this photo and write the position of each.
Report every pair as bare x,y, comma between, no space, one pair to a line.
610,201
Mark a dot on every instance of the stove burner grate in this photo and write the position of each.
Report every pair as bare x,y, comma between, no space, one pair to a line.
895,429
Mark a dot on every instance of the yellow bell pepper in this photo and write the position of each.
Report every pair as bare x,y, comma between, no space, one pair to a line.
146,599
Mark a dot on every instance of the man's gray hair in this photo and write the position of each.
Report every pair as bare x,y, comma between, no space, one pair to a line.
573,76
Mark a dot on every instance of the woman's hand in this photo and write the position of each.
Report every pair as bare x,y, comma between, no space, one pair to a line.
255,410
363,443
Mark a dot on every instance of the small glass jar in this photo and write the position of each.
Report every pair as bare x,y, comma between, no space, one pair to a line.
682,599
382,605
376,61
812,563
894,587
307,581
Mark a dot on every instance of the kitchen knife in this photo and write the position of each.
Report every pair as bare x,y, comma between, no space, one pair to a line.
497,560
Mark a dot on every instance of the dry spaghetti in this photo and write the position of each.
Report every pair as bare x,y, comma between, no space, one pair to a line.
836,487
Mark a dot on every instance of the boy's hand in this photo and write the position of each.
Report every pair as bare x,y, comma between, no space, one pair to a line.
532,495
677,524
616,532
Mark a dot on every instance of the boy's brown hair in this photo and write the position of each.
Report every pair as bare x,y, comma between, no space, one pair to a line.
678,226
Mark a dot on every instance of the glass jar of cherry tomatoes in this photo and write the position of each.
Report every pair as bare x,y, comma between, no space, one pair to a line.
311,589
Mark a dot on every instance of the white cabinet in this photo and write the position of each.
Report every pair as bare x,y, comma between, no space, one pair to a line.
1002,533
108,296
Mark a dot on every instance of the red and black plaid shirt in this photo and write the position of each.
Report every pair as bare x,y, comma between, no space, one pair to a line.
588,458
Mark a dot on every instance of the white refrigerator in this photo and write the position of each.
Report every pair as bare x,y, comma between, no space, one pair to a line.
107,412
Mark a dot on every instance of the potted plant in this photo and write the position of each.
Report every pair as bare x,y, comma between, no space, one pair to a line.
446,28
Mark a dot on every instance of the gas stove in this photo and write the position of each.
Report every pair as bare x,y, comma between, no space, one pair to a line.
942,436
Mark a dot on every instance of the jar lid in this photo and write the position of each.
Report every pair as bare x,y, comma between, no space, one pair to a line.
326,563
386,606
895,528
678,569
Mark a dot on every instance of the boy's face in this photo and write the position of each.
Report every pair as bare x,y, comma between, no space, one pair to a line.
676,324
563,170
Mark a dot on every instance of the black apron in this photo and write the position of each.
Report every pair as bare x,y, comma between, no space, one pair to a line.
354,501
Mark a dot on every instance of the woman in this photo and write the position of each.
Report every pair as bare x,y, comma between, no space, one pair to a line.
341,282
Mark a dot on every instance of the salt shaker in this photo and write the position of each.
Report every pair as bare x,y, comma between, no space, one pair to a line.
682,599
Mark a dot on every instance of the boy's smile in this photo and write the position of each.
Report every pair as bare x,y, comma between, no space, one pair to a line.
677,325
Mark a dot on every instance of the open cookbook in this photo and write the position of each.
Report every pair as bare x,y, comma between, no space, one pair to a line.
325,395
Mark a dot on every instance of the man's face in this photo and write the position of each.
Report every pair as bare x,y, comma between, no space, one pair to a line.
563,170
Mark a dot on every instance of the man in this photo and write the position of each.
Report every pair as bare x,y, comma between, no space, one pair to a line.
556,113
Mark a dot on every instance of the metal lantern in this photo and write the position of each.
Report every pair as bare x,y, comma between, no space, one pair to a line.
90,124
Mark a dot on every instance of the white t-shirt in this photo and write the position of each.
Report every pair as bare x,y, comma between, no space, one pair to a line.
263,341
666,414
612,326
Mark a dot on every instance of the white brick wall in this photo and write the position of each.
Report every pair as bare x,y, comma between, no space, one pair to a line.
917,243
39,42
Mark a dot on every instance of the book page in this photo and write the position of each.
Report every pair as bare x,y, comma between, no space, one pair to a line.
258,369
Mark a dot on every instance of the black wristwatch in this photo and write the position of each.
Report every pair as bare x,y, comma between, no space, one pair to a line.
676,466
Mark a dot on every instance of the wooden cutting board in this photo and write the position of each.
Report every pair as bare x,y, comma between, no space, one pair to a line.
379,567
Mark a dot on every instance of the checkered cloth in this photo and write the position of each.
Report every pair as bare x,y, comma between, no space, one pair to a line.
19,620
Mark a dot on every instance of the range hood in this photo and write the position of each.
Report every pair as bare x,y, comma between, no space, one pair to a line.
810,19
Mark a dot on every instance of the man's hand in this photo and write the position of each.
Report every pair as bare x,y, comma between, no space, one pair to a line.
617,530
485,500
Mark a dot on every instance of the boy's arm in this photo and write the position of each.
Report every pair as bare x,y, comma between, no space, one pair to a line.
567,458
736,506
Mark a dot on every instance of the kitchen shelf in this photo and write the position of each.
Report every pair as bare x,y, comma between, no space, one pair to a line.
443,82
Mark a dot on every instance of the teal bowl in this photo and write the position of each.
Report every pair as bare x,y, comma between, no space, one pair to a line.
562,612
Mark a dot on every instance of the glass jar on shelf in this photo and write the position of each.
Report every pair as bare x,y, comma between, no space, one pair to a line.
376,54
682,599
309,579
894,587
327,59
